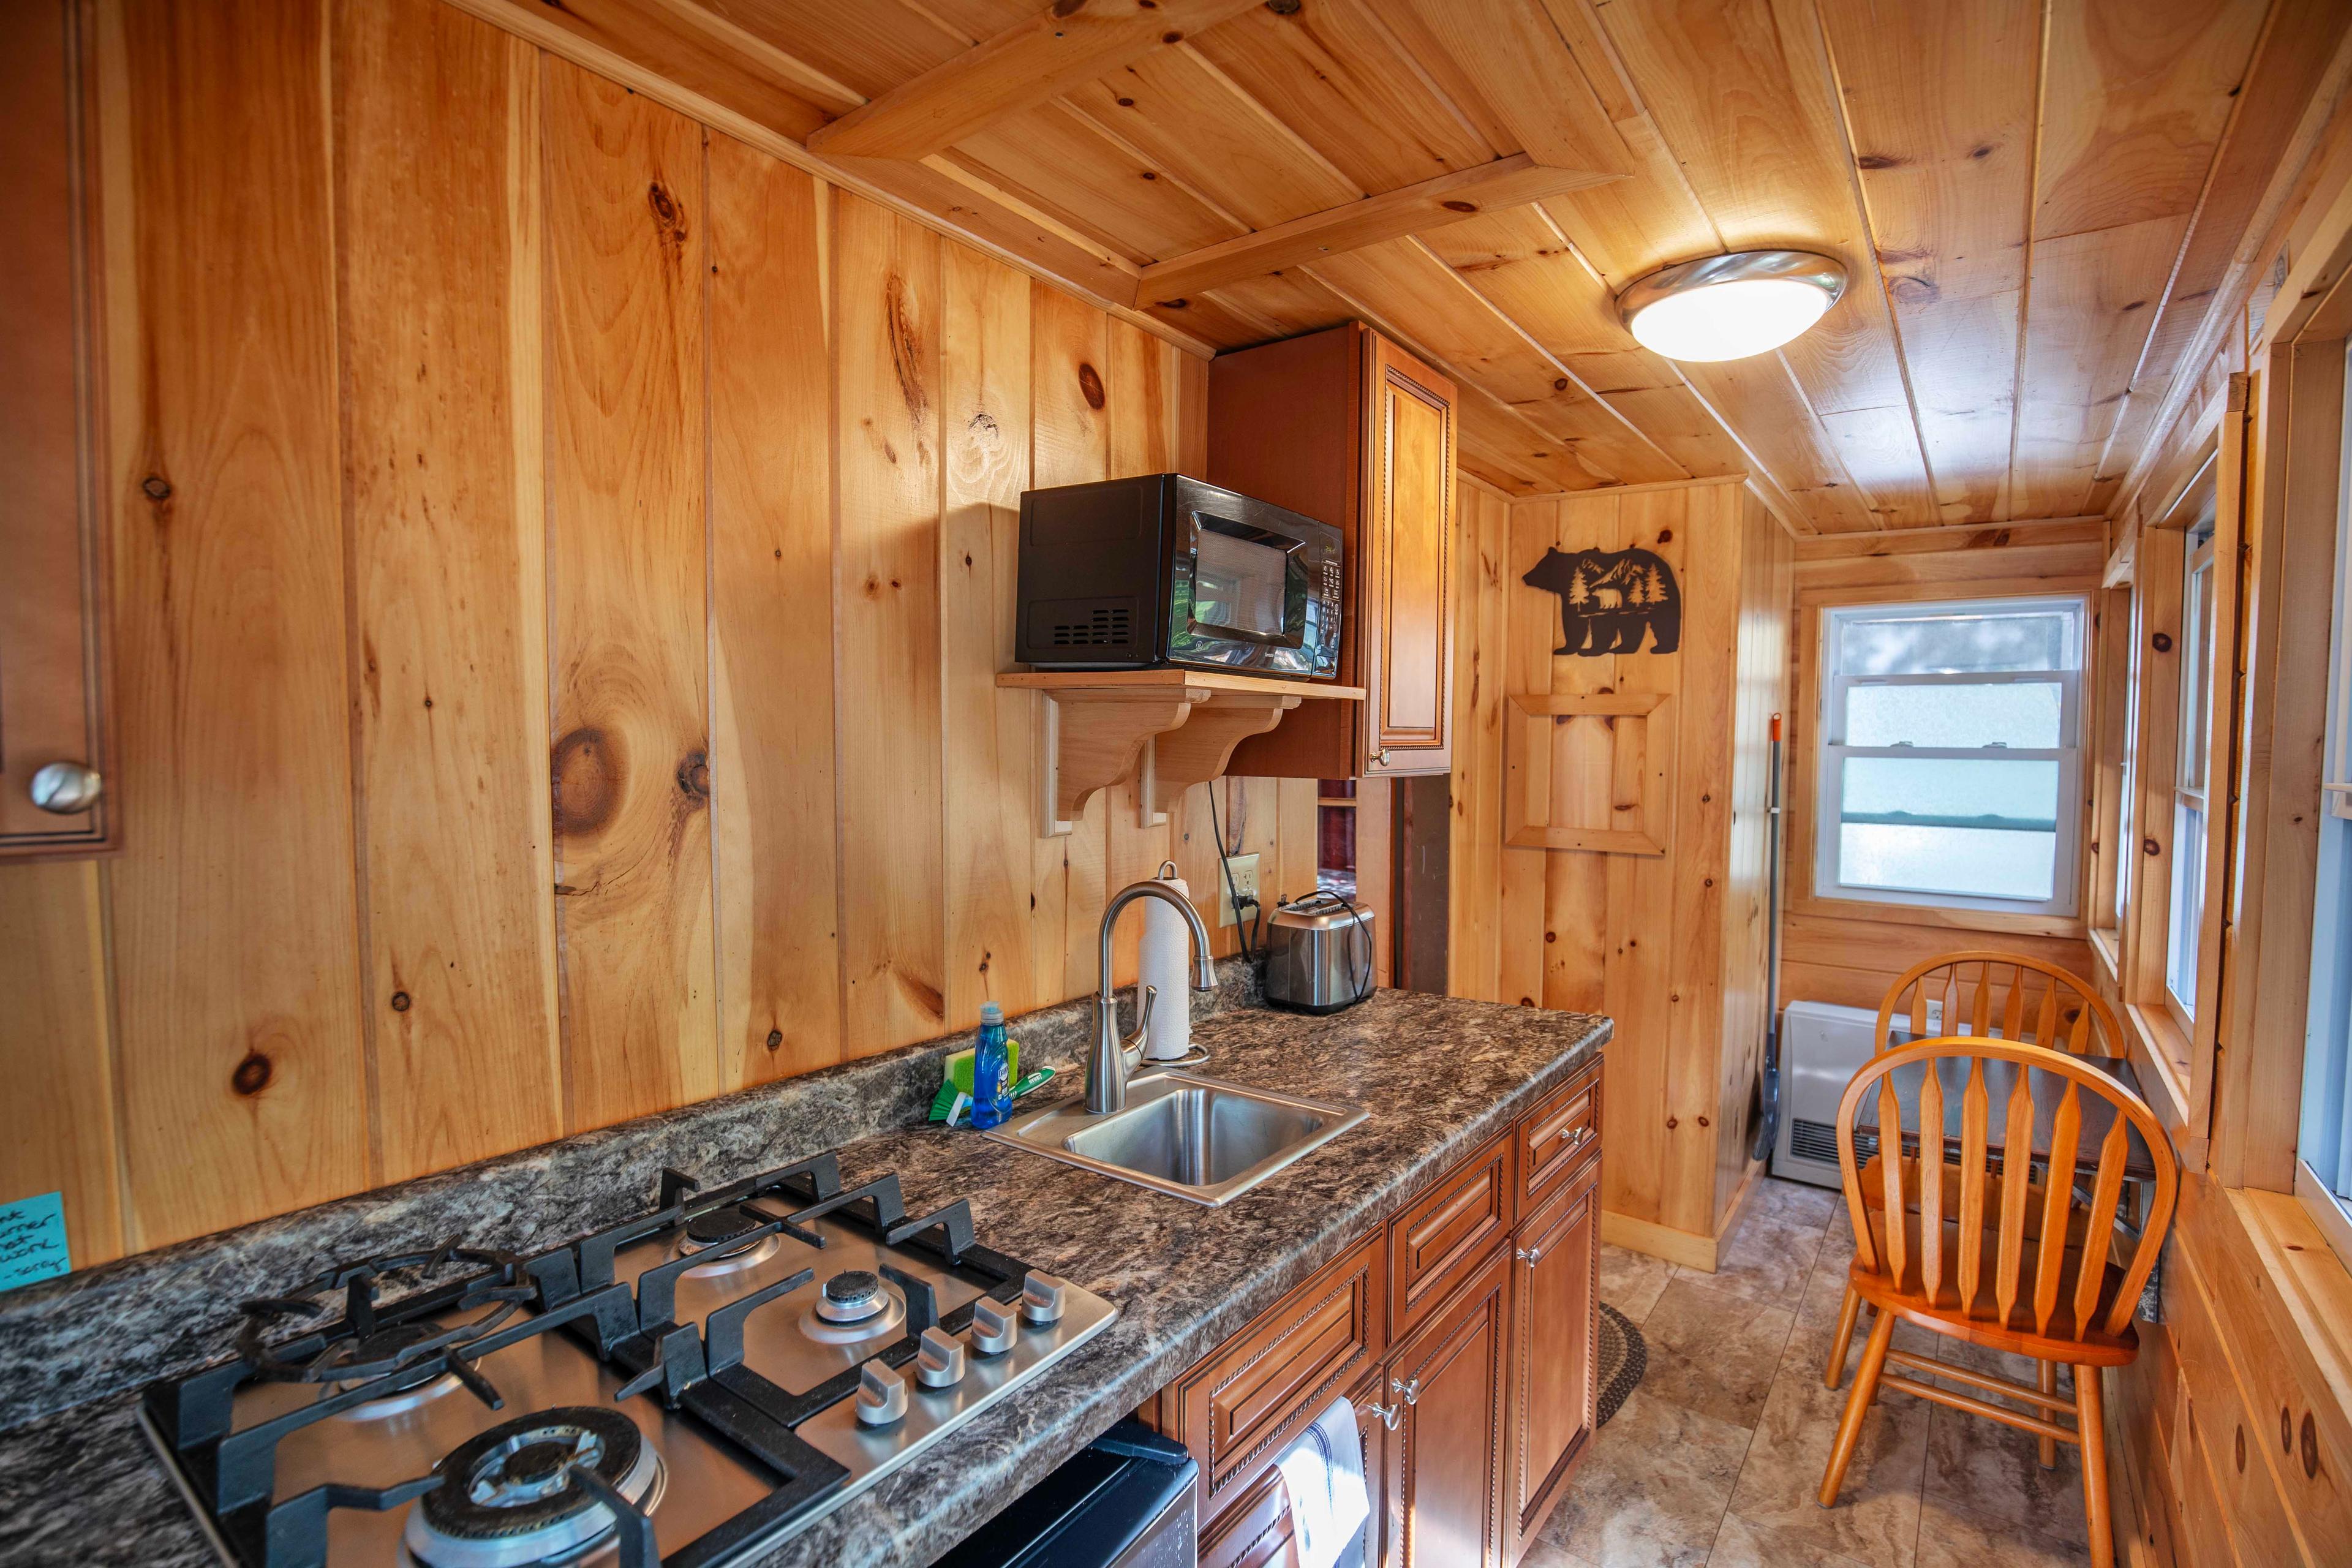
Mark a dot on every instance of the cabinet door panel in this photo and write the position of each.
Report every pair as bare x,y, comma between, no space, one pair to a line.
1408,567
51,646
1554,1266
1445,1457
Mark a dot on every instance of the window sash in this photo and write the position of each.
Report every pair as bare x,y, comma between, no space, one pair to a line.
1828,877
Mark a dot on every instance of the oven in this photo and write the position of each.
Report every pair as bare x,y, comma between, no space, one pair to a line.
1164,570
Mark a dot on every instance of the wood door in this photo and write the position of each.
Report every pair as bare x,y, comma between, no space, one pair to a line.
52,643
1445,1459
1406,578
1554,1268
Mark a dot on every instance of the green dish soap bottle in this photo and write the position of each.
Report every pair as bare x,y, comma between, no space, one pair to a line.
991,1094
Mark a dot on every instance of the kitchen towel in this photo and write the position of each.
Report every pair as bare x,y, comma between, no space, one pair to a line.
1323,1472
1165,962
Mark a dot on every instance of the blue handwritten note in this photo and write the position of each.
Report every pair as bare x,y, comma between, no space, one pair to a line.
33,1241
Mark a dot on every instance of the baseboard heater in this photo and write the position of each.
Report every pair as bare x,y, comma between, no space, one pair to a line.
1821,1047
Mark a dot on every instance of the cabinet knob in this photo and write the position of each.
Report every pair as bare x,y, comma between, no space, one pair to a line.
1381,756
1411,1391
1531,1256
67,788
1387,1414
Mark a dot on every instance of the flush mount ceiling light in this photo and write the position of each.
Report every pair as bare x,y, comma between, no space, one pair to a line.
1729,307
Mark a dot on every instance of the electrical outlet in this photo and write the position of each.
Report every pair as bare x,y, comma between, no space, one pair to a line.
1245,874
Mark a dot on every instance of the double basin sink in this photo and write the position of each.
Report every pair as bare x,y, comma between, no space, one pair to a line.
1200,1138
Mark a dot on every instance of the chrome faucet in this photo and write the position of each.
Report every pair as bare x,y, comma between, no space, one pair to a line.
1111,1059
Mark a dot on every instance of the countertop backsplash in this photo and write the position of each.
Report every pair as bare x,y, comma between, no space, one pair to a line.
119,1326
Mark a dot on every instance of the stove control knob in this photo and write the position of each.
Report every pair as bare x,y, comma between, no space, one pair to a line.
995,1327
939,1362
881,1396
1041,1298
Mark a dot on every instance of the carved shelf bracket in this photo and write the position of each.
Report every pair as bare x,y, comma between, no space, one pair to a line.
1167,729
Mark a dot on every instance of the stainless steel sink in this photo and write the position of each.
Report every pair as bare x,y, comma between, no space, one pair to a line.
1199,1138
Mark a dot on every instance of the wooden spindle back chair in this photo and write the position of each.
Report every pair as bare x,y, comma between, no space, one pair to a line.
1979,994
1965,1243
2005,993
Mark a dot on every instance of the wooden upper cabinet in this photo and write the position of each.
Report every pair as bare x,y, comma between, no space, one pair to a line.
1406,603
52,630
1348,428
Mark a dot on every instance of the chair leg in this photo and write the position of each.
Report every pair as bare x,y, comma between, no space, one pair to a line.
1857,1406
2049,1369
2090,1410
1847,1315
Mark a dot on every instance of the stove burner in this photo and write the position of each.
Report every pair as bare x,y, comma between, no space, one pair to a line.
852,1296
508,1497
718,1224
406,1387
374,1338
714,1233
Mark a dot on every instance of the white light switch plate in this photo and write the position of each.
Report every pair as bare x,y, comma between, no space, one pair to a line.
1245,882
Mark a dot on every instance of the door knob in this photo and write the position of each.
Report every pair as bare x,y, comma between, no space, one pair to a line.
67,788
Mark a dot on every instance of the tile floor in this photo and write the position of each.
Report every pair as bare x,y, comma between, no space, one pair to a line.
1717,1455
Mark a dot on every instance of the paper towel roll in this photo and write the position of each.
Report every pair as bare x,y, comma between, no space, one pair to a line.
1164,963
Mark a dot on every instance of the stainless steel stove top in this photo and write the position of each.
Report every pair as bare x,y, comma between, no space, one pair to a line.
687,1389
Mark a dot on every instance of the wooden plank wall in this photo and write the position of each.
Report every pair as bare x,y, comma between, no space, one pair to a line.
1846,952
556,648
1669,945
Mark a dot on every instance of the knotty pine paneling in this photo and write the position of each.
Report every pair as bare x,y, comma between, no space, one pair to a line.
557,649
887,313
1670,945
772,808
1069,444
439,346
991,750
233,904
627,464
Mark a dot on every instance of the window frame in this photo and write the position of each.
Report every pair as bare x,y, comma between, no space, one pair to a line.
1831,753
2192,723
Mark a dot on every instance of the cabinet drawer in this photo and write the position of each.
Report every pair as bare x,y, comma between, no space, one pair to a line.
1555,1136
1242,1406
1442,1237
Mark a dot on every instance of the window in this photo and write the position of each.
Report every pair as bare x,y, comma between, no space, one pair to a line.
2324,1146
2187,913
1950,761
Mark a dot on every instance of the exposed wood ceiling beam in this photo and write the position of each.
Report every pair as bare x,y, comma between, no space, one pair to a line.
1057,51
1432,204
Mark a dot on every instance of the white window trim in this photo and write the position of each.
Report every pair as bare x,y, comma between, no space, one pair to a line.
1834,754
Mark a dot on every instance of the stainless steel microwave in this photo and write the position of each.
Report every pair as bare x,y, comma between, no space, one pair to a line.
1161,569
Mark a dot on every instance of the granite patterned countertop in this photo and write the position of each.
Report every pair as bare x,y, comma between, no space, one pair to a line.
1439,1076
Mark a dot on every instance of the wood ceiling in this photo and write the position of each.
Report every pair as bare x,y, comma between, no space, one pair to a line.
2051,209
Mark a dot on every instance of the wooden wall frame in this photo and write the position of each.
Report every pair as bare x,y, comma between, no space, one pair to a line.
1642,766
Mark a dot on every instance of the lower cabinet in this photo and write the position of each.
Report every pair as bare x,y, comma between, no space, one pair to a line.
1555,1260
1463,1332
1445,1481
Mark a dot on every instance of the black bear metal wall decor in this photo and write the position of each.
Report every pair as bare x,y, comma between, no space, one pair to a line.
1609,598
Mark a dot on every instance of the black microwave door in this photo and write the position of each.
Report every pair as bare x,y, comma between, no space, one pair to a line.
1246,584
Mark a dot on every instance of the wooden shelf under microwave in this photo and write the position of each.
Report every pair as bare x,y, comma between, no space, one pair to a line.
1168,729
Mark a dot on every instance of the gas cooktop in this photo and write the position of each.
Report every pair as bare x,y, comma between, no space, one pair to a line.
687,1389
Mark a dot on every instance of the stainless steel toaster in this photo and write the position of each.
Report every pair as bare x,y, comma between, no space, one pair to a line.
1318,954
